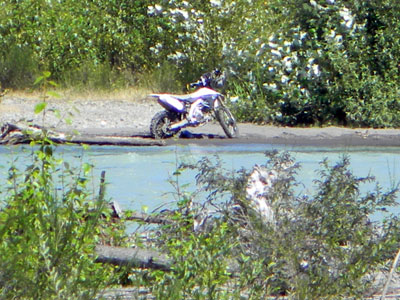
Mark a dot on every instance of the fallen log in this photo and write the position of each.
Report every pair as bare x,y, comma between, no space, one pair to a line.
133,215
115,140
133,257
21,133
142,258
146,218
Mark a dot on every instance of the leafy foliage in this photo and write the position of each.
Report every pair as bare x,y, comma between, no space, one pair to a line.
322,246
49,226
50,222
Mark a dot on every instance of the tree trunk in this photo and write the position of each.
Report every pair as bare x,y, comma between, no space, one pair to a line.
12,134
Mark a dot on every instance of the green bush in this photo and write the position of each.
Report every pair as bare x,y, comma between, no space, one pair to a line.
322,246
18,67
91,76
50,223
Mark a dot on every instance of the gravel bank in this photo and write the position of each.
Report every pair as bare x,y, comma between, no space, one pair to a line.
126,118
97,116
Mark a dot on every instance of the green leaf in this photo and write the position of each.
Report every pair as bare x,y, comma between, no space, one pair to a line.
46,74
53,94
53,83
86,168
38,80
40,107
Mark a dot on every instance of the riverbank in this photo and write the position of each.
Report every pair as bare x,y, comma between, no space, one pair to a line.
131,118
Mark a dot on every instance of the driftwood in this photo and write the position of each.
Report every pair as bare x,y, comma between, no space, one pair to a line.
117,212
146,218
21,133
141,258
133,257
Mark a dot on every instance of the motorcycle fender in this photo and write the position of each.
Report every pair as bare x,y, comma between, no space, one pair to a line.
170,103
216,104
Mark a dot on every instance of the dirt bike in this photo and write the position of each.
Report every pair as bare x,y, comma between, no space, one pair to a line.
194,109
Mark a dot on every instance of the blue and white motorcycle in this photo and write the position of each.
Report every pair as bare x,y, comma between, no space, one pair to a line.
193,110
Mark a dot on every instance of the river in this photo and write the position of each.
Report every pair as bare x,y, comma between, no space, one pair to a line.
137,177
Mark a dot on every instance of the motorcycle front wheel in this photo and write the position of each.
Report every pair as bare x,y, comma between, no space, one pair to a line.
227,122
160,127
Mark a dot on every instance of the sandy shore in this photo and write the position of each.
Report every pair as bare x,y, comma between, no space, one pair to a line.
127,118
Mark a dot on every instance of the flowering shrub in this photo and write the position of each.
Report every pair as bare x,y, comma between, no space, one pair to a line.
291,62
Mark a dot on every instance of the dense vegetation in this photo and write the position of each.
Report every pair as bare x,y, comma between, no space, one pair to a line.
319,246
289,61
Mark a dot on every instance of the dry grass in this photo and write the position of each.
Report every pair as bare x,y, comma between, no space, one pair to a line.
128,94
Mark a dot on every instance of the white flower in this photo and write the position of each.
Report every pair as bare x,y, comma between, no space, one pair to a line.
347,17
216,3
270,86
332,34
284,79
180,12
234,99
315,70
151,10
287,44
276,53
339,38
287,62
158,8
272,38
313,3
184,13
272,45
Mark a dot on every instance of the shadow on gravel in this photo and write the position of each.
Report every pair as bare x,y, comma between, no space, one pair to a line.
185,134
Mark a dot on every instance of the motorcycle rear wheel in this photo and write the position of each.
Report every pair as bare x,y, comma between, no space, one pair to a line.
227,122
161,123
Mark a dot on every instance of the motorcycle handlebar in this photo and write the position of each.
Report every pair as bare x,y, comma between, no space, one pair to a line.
196,84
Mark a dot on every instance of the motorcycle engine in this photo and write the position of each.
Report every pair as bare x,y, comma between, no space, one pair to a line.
196,113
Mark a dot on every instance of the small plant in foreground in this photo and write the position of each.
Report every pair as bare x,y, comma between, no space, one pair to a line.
50,222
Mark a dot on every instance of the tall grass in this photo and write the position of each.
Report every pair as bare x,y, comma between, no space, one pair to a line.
18,67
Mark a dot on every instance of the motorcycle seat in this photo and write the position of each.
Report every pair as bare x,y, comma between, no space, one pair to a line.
203,93
186,98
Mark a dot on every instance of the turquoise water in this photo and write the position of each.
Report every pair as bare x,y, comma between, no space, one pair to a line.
138,177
